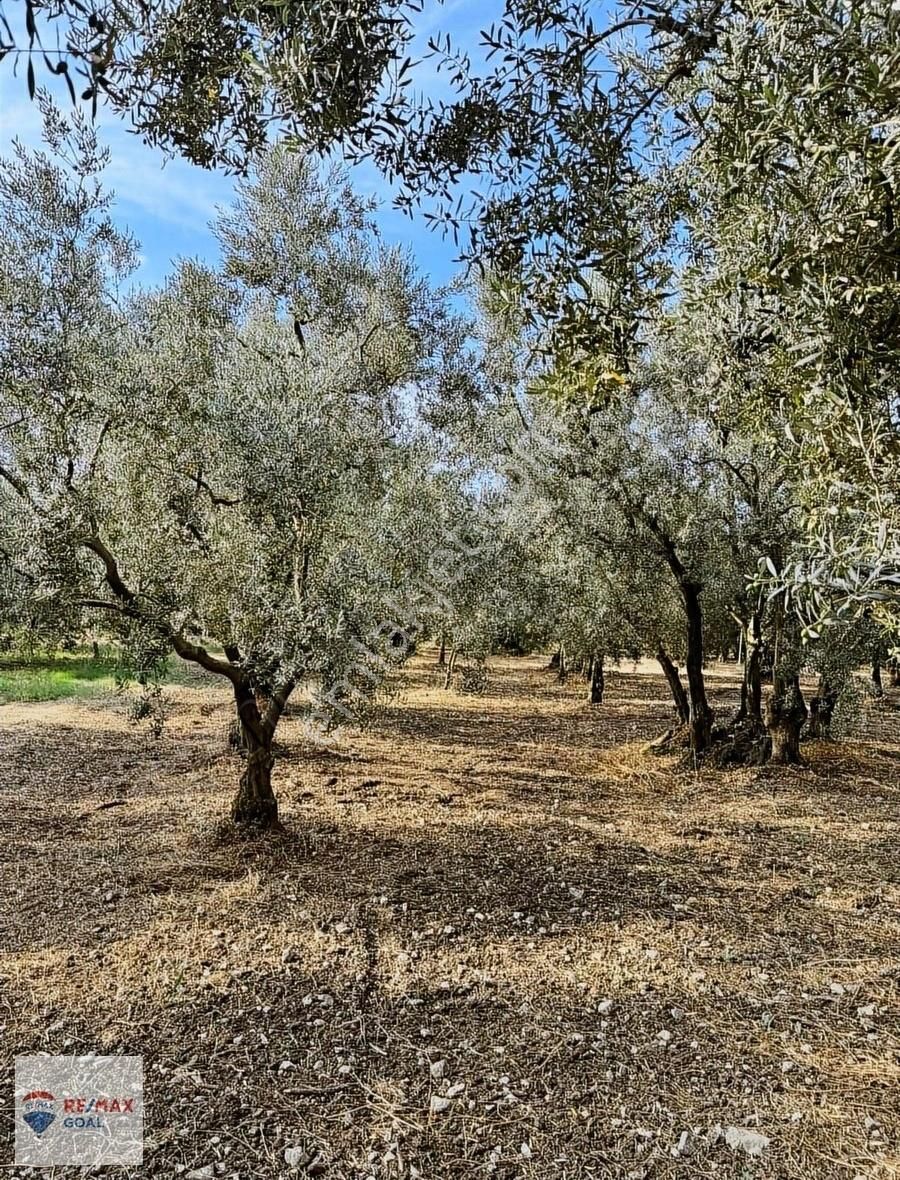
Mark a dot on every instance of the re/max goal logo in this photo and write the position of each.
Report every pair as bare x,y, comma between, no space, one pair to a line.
85,1114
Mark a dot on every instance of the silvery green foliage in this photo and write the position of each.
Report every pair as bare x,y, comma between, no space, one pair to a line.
60,266
845,648
211,80
796,173
741,155
185,465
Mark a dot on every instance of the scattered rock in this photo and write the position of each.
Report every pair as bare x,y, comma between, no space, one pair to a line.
438,1104
296,1157
205,1173
743,1139
605,1007
684,1146
290,954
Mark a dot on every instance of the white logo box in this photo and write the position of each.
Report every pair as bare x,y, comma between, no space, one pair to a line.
81,1111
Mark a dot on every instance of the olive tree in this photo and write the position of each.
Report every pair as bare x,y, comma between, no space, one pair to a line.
795,218
191,463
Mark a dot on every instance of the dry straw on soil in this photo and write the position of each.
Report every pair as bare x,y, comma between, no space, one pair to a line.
498,939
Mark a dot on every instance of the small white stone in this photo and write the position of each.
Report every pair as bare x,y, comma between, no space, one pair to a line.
605,1007
684,1146
743,1139
438,1104
437,1069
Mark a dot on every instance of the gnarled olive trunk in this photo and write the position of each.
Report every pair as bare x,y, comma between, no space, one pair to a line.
255,804
821,710
596,679
451,665
751,686
785,715
700,718
442,653
877,683
673,679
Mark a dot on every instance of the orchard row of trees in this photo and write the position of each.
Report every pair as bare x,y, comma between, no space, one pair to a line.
670,419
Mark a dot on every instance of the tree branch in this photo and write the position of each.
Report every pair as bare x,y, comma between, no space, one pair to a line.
276,706
183,647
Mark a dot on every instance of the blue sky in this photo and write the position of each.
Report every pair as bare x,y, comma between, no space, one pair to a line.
168,203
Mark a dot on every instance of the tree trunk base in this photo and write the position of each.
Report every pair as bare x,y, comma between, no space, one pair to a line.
259,814
786,715
747,744
255,805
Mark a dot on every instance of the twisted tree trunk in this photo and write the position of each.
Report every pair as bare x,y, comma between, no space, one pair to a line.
821,709
451,665
752,686
255,804
679,696
785,715
700,718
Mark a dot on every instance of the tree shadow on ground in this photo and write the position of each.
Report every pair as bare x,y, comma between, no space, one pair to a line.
298,988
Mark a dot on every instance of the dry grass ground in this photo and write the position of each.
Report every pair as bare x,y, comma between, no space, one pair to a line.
415,979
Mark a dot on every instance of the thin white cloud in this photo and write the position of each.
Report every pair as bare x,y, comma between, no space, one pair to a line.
171,192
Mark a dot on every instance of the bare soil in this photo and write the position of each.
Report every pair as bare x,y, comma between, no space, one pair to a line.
468,883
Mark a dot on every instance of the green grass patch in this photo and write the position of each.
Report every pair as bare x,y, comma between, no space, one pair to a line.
52,678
